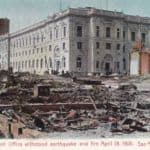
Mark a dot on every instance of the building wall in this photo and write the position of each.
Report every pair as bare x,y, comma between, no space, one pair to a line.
40,50
75,52
35,44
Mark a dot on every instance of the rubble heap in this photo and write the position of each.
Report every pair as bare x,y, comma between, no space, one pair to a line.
62,105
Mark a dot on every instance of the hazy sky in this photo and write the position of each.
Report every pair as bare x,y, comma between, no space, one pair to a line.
26,12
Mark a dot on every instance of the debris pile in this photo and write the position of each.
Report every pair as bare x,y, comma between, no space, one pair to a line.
50,105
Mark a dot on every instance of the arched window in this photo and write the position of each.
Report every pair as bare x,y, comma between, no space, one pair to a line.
78,62
41,63
64,61
50,62
37,63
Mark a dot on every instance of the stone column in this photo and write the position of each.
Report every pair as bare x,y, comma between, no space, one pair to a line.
91,53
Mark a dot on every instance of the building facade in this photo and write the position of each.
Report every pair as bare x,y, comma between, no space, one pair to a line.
79,40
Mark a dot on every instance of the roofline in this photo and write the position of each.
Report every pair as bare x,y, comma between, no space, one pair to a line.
84,12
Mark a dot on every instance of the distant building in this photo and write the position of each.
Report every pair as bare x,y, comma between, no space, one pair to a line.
4,36
4,26
79,40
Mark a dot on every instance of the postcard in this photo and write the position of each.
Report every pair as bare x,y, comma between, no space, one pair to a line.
74,74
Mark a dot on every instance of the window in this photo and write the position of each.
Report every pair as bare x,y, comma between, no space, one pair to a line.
118,66
19,66
124,64
29,64
124,34
22,64
97,64
50,62
97,31
79,45
37,38
34,41
26,41
51,35
32,63
56,33
16,65
26,64
41,50
118,47
79,63
64,45
20,43
17,43
20,131
30,40
124,48
133,36
79,31
97,45
118,33
143,37
108,45
42,37
37,63
64,31
64,61
41,63
50,47
108,32
37,50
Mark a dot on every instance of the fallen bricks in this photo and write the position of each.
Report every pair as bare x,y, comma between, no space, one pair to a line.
52,107
60,107
87,81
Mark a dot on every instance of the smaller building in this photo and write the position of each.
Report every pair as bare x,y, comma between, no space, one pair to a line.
140,60
4,26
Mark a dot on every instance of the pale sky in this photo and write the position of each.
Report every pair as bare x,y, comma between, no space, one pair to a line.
23,13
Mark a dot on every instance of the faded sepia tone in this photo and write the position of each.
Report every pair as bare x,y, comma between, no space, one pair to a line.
83,71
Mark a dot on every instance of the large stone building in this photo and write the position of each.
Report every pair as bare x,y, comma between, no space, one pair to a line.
79,40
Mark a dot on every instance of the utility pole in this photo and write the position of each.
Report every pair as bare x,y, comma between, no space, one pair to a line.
100,4
107,4
60,5
8,51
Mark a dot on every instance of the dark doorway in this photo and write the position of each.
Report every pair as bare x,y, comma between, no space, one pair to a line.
107,68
